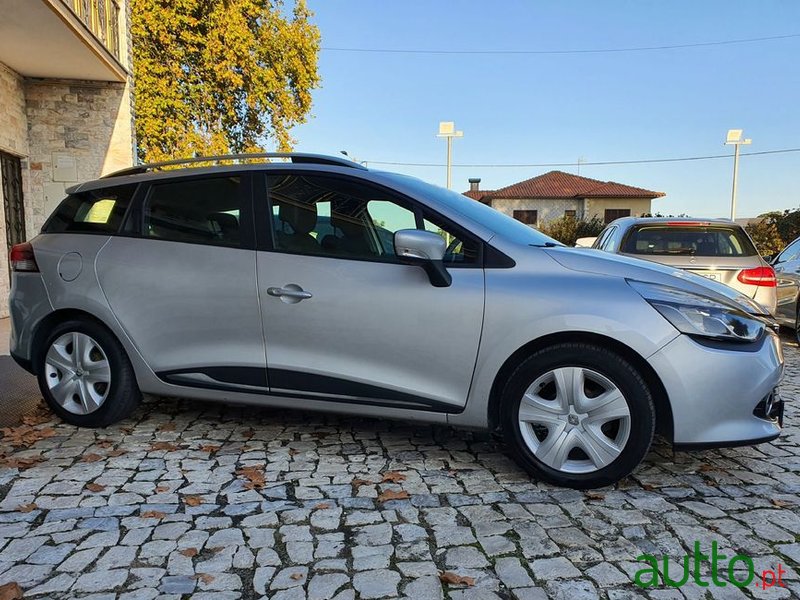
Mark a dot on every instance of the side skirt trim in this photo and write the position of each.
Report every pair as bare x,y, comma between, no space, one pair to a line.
296,384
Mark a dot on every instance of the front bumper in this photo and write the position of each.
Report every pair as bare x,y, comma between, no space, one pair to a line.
714,390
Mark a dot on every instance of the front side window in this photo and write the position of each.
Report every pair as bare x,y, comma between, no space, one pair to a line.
95,211
200,211
335,217
790,253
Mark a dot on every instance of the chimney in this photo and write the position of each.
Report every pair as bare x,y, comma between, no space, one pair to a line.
474,184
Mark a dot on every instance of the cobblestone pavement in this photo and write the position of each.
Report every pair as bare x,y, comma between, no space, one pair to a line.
214,502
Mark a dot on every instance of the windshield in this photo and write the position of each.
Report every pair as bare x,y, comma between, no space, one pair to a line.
666,240
503,225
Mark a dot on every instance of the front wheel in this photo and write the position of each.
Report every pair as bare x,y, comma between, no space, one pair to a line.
578,415
85,375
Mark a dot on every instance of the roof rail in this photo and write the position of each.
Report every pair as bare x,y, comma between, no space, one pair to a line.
294,157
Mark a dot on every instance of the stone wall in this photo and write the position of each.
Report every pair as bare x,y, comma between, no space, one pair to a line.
596,207
13,140
76,131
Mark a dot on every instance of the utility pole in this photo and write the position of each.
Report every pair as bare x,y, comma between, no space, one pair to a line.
447,130
735,139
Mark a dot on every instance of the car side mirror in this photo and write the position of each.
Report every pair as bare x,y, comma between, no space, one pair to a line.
770,258
425,249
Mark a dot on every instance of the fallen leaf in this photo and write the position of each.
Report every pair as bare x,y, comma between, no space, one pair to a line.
210,448
451,578
25,435
168,446
323,505
160,489
248,433
205,578
26,508
296,576
91,457
37,418
126,430
21,463
166,427
190,552
10,591
780,503
104,444
116,452
357,483
393,476
392,495
193,500
153,514
648,488
595,496
254,475
293,452
95,487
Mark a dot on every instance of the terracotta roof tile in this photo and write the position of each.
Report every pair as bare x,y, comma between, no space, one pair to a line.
557,184
478,195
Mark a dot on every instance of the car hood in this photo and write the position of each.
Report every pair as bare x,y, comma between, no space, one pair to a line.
604,263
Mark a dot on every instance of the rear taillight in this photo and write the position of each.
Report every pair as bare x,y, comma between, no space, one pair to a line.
22,259
764,276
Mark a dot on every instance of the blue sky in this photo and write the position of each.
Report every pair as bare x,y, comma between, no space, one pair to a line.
559,108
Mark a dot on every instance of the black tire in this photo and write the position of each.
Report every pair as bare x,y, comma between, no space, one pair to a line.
123,393
610,365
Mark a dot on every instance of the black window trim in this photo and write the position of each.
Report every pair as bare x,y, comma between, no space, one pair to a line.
133,225
265,240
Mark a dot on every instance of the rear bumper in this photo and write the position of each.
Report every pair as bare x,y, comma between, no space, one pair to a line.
29,303
715,391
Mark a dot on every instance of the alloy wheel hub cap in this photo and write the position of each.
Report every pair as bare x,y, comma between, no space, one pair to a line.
78,373
574,420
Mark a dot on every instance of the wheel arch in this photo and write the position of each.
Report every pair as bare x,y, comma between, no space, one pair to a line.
664,419
46,325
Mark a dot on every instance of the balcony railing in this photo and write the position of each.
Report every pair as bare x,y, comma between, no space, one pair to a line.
102,19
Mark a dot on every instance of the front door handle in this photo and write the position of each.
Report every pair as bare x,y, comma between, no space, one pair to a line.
290,293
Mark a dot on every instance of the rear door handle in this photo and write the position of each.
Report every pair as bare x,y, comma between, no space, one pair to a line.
291,293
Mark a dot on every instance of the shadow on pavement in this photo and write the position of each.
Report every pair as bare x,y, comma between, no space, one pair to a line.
19,392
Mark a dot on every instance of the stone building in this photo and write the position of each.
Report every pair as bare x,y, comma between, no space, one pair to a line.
557,194
65,107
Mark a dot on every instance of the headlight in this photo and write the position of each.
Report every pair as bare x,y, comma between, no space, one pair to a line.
698,315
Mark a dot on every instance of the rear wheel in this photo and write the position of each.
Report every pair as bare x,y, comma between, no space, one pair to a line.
85,375
578,415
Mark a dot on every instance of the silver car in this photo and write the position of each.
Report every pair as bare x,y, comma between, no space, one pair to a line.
317,284
717,249
787,273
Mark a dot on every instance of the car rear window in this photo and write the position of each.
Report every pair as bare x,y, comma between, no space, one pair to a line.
706,240
94,211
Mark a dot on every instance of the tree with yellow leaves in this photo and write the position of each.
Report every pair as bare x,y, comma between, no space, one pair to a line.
220,76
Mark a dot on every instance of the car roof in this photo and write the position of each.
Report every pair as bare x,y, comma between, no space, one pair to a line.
631,221
194,166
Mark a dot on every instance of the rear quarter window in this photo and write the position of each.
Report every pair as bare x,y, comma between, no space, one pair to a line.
95,211
675,240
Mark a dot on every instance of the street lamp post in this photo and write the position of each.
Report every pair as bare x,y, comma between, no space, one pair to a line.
447,130
735,139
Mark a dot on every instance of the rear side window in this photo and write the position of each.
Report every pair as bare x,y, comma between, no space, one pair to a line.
95,211
668,240
200,211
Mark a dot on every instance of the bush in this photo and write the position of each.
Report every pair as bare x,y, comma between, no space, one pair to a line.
568,229
766,236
